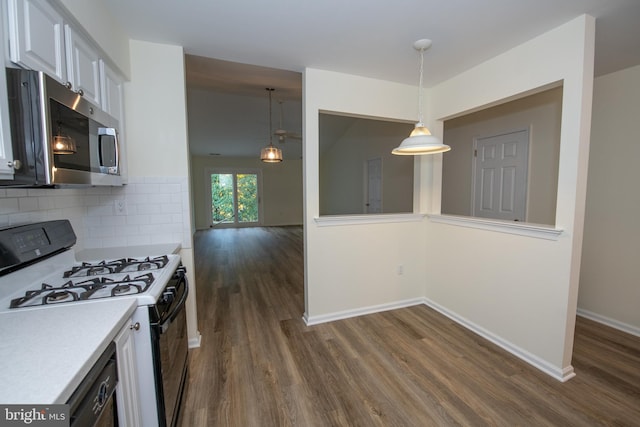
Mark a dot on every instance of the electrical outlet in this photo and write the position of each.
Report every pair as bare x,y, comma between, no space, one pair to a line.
121,207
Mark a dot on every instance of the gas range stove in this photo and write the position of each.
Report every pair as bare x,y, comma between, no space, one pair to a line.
33,277
38,271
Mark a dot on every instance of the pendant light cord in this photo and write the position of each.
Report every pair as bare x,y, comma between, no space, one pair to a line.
420,87
270,132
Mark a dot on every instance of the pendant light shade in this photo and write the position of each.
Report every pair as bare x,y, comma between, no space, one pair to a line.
420,141
63,144
270,154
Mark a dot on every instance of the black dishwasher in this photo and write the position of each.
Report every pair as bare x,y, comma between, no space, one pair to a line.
93,403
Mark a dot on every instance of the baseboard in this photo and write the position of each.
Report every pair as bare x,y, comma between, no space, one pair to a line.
195,342
615,324
561,374
346,314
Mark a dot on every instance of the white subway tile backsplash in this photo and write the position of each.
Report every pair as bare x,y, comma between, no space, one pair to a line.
46,203
9,205
28,204
16,192
157,211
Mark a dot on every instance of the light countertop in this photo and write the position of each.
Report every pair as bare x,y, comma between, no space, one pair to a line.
46,352
95,254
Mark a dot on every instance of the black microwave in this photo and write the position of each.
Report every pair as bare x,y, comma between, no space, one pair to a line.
58,137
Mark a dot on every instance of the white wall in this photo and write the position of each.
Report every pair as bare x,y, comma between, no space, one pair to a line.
157,140
354,267
281,188
103,28
609,289
521,291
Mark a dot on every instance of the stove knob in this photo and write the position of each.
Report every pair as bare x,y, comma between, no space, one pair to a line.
167,297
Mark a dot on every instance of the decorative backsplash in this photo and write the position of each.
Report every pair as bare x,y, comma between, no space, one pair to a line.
147,210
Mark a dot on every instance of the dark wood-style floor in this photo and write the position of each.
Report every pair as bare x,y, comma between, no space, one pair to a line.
260,365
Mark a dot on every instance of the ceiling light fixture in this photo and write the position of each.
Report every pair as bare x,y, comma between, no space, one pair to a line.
270,154
63,144
420,141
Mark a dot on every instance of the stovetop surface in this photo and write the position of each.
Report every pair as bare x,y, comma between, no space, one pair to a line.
62,280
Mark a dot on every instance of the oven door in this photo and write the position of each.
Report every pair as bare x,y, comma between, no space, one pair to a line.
170,348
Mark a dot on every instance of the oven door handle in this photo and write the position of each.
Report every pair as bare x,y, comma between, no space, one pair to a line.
176,309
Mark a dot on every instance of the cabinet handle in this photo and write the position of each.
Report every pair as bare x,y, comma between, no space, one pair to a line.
135,326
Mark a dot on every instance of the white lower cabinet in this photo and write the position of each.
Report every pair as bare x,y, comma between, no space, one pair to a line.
127,392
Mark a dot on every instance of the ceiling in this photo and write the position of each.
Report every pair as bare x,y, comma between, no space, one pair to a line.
258,44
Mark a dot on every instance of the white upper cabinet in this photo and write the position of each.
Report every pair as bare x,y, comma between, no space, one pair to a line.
46,39
112,90
37,37
83,66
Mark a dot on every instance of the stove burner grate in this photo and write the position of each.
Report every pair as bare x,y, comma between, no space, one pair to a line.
122,265
94,288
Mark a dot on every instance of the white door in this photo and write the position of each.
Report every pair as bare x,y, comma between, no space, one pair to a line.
501,175
374,186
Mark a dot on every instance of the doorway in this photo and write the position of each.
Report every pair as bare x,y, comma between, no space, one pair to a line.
234,197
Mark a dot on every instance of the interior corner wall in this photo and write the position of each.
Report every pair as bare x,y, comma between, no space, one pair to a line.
609,289
281,188
521,291
354,266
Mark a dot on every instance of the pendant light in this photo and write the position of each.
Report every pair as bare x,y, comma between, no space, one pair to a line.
270,154
420,141
63,144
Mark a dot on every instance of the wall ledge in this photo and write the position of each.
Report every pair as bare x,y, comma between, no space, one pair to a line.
519,228
335,220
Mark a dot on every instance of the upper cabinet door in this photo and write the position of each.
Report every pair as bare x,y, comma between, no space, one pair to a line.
111,93
83,66
37,37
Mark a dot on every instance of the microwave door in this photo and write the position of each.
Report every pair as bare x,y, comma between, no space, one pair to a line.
108,151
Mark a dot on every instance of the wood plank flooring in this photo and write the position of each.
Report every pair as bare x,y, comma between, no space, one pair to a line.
260,365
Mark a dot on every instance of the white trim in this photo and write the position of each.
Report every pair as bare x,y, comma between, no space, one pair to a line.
562,375
339,315
510,227
334,220
608,321
195,342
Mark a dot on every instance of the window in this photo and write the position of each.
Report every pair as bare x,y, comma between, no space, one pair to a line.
358,173
235,198
540,116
